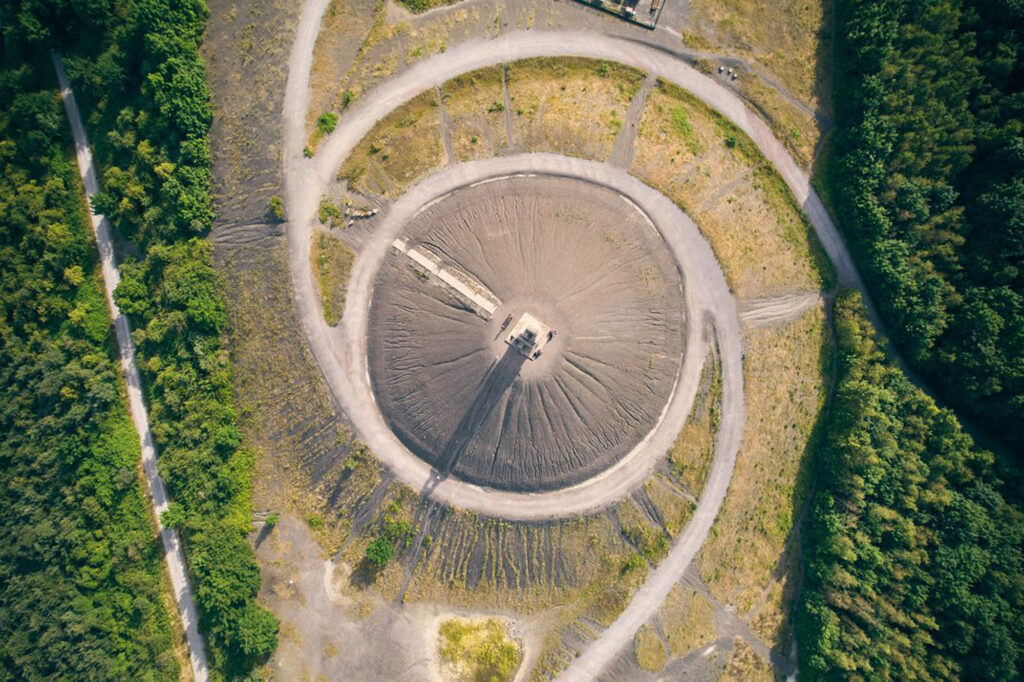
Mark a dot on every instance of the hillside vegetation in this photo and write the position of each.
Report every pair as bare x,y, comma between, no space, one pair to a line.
80,564
928,180
143,87
914,559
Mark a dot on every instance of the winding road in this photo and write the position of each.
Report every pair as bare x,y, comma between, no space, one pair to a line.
340,352
136,405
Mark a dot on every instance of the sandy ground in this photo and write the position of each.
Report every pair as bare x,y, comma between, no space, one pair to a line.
581,260
335,631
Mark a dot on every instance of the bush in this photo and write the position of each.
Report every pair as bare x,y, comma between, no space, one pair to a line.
326,122
277,207
380,551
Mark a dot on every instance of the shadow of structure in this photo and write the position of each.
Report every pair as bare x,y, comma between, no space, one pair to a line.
496,383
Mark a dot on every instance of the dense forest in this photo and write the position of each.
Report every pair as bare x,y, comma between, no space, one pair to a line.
914,559
927,173
80,562
142,86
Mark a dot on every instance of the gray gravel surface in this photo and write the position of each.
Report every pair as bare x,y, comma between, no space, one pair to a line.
581,260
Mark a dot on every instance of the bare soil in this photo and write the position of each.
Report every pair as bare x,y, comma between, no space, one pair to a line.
581,260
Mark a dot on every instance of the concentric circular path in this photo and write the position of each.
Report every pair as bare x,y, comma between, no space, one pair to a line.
341,352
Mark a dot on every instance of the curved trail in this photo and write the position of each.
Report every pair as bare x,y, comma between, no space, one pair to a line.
476,54
341,351
173,552
305,179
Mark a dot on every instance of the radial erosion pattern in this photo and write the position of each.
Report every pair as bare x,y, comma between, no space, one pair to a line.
577,266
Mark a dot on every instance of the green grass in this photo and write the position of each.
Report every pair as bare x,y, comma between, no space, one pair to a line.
483,651
683,128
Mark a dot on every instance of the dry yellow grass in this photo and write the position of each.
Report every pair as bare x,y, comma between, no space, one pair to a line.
648,539
475,109
403,147
746,666
332,51
785,36
771,623
795,127
649,650
674,507
332,264
716,175
686,618
785,387
478,651
570,106
693,450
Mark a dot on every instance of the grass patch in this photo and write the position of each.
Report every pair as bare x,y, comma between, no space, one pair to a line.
479,651
716,174
674,507
403,147
417,6
687,619
693,450
785,380
570,105
642,533
337,45
795,127
746,666
685,131
473,103
332,264
649,650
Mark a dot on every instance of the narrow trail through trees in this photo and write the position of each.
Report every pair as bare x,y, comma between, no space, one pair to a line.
136,405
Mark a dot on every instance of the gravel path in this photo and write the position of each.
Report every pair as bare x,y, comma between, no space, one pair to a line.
158,495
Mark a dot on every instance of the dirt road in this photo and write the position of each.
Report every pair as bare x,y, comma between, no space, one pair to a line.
158,495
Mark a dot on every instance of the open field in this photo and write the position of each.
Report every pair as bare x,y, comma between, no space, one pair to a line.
713,172
746,666
570,106
790,38
401,148
474,104
246,52
785,371
335,52
673,504
797,128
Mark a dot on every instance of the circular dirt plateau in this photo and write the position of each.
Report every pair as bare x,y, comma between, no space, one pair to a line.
581,261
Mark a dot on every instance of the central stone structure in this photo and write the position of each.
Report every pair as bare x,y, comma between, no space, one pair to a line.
571,369
529,336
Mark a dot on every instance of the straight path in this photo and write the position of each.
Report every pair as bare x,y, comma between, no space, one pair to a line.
136,406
